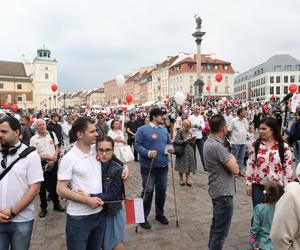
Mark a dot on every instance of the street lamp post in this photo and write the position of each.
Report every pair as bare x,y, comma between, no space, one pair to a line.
198,35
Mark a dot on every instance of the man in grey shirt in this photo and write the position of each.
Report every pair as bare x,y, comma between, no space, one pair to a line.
221,166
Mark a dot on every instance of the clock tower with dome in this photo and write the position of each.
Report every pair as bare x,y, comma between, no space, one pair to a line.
44,75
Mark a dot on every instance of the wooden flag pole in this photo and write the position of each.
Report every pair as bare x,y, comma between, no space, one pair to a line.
174,193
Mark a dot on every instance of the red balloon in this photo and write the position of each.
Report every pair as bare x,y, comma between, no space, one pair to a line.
208,88
6,106
54,87
219,77
129,98
14,108
293,88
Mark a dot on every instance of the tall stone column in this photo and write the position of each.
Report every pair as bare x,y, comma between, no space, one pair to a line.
198,84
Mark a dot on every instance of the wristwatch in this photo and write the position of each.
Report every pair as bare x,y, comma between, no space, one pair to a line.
12,213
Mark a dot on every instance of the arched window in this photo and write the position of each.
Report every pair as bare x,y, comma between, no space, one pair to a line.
46,76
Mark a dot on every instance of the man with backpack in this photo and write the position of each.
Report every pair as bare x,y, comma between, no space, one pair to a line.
46,144
20,178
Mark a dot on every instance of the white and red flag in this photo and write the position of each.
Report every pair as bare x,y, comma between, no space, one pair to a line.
134,210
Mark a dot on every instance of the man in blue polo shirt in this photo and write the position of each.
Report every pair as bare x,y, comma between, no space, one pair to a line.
150,143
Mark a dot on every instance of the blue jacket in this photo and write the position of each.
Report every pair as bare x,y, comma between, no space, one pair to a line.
113,187
152,138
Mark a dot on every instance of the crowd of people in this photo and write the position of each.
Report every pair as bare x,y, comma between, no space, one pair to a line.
77,156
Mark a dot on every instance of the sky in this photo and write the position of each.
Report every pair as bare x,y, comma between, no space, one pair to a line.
94,41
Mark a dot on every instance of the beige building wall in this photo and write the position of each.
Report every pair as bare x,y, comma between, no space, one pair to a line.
44,76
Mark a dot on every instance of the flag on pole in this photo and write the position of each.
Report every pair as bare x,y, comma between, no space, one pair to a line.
134,211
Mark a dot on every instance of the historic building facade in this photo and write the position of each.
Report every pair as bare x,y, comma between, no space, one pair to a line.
269,79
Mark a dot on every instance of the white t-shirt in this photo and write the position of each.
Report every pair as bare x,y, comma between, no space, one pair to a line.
25,172
44,144
199,122
66,127
84,172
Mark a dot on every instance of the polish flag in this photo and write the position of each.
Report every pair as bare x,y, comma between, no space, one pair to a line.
134,211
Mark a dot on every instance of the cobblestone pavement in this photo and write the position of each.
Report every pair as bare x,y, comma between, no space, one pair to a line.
194,217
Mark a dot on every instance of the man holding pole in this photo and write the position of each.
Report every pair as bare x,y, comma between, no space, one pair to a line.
150,142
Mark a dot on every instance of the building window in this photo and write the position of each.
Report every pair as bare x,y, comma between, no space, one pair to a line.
271,79
41,54
277,68
19,98
288,67
286,79
19,86
208,66
226,78
216,67
299,78
46,68
1,86
277,79
225,67
271,90
297,67
46,76
285,90
277,90
292,78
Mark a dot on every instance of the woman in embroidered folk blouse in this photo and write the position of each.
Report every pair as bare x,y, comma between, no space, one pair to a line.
266,165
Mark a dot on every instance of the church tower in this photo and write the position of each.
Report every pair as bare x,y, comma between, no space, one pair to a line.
44,74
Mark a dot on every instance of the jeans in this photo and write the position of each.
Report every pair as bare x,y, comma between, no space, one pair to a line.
222,214
199,144
257,194
15,235
239,151
158,179
85,231
296,148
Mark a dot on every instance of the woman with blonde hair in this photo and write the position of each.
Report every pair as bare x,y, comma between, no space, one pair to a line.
185,164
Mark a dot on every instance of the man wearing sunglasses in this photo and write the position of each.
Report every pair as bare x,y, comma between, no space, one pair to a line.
18,187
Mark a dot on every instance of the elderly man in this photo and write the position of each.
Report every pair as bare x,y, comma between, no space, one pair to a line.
18,187
46,144
239,127
198,125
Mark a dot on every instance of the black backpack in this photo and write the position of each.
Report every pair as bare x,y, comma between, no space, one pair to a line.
280,150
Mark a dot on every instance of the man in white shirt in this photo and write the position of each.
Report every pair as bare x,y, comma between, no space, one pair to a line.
66,126
46,144
228,116
79,169
18,188
239,127
198,125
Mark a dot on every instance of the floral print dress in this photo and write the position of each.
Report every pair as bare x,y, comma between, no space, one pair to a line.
268,165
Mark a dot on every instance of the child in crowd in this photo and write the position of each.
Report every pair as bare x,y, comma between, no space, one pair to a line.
263,217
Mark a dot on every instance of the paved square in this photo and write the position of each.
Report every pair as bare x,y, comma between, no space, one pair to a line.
194,216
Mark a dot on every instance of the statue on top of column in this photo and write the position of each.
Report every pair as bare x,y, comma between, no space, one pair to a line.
198,21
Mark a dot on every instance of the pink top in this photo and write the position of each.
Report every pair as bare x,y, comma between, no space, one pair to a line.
268,166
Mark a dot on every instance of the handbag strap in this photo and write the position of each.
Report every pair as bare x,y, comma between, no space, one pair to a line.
23,154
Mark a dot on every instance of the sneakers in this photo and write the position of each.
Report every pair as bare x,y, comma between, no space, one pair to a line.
162,219
59,208
146,225
43,213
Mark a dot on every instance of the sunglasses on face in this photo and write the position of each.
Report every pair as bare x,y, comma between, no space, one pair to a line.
104,150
